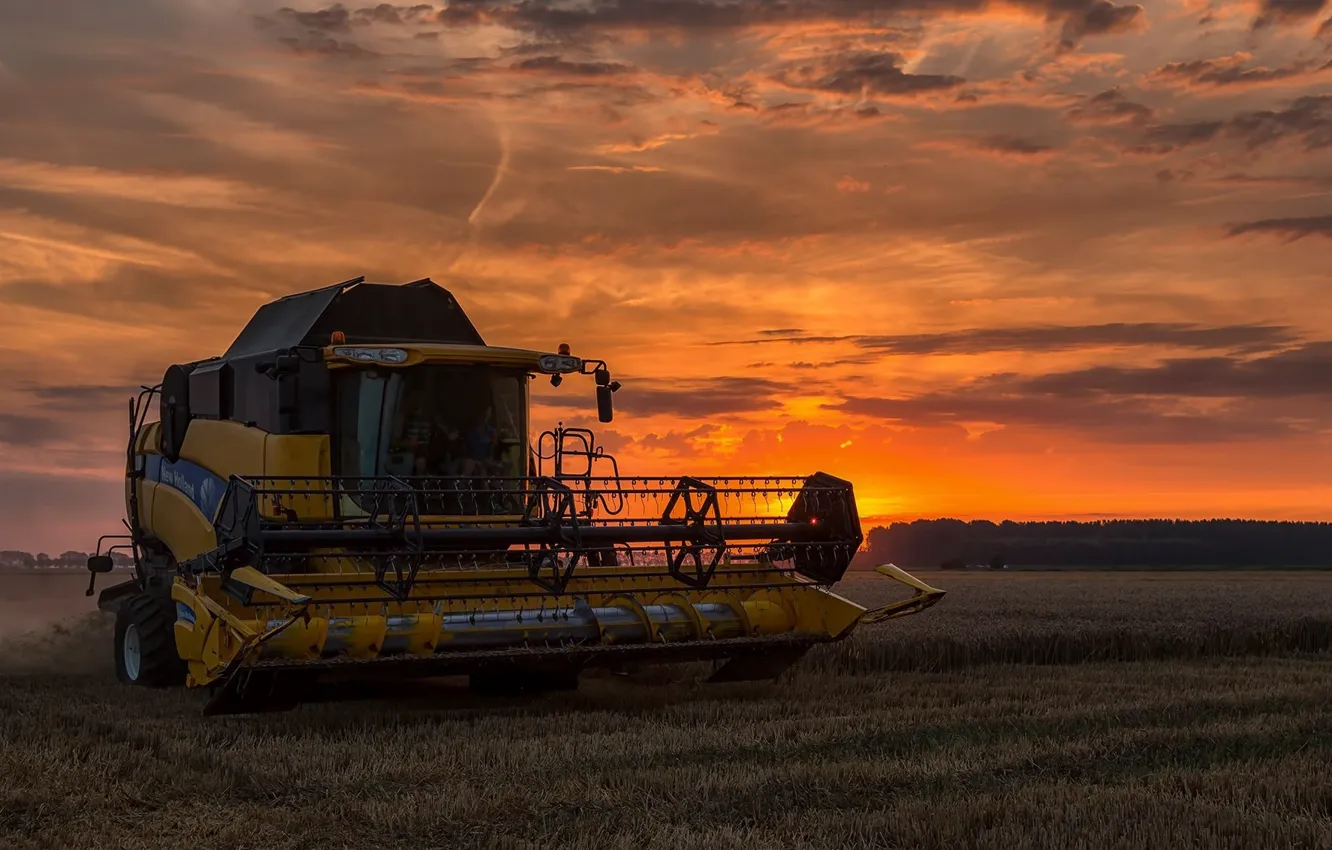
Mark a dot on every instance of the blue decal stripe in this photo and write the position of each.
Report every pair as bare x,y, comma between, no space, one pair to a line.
202,487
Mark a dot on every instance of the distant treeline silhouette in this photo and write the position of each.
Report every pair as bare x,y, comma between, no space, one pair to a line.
932,543
1102,543
13,559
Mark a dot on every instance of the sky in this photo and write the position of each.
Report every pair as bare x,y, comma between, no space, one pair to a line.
1027,259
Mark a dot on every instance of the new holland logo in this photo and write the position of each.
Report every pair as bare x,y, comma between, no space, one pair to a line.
177,479
207,490
198,484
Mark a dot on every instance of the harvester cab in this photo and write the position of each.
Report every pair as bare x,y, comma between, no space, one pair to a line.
350,491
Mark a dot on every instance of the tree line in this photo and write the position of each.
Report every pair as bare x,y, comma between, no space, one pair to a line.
933,543
13,559
1101,543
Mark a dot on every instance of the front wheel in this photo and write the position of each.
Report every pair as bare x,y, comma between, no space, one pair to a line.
145,642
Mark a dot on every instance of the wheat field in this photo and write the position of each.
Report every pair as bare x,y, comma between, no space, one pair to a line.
1024,711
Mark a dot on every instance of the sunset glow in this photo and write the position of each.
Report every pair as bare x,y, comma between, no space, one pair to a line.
1027,259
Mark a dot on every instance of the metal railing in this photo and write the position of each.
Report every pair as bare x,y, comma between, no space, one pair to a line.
402,528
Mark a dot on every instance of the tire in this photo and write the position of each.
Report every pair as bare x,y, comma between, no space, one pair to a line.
145,643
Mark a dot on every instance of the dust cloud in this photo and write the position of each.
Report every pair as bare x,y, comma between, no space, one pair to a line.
47,626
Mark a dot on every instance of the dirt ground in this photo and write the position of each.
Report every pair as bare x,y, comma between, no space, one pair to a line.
1023,711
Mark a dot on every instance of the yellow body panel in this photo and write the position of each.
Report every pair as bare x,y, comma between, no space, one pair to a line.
207,645
147,441
294,459
179,524
225,448
147,497
766,616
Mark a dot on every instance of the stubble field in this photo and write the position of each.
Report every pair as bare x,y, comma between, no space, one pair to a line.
1026,710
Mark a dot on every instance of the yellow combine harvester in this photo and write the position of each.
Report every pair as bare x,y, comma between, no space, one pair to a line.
350,491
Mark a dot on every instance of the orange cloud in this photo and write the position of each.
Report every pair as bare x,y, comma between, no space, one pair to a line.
651,143
619,169
147,186
999,146
1234,72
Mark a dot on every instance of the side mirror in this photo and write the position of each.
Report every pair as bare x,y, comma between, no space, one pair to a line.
100,564
605,405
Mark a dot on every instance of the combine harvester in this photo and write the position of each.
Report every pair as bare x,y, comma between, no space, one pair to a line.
350,492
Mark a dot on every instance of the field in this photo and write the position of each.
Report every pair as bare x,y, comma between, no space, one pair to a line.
1067,710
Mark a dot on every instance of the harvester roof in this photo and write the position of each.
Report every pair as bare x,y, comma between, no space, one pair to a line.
421,312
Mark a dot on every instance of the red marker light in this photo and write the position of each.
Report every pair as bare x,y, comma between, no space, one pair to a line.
564,348
337,338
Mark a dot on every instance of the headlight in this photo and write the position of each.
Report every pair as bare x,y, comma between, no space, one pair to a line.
558,363
372,355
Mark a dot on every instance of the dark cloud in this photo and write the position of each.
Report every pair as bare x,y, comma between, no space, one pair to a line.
824,364
1168,138
689,399
1294,373
547,16
1098,18
1109,107
336,18
700,399
315,44
1232,71
339,19
1307,120
1113,420
677,443
867,73
1291,228
1297,180
1286,11
775,337
312,33
387,13
1059,338
1072,337
24,431
558,65
84,397
463,13
381,14
1260,397
810,114
1170,175
122,294
1005,144
1077,18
